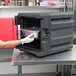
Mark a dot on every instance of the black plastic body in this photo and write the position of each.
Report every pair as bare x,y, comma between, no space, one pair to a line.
55,32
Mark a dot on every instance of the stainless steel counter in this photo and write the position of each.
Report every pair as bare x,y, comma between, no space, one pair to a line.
22,58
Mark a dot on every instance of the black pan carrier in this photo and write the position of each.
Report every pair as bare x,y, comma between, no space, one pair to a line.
55,32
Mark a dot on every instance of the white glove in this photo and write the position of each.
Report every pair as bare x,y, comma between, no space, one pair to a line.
28,39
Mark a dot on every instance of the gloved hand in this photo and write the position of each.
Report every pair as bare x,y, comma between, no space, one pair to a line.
28,39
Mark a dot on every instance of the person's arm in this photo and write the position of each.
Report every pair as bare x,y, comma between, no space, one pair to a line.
10,44
14,43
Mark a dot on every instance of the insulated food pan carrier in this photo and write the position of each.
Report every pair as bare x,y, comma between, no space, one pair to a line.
55,32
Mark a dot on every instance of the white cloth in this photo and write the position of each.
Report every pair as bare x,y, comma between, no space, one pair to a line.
0,41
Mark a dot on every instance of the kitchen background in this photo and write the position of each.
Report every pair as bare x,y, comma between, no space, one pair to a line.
10,8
